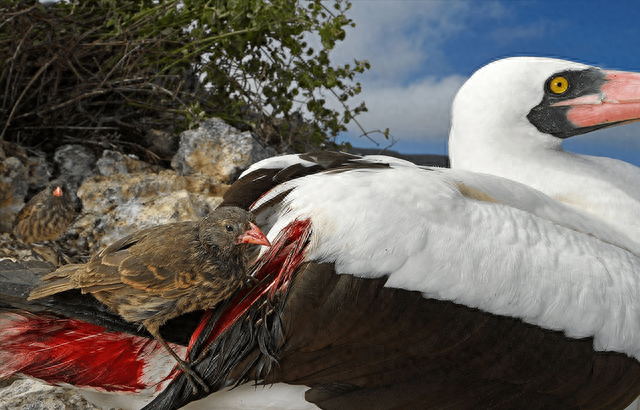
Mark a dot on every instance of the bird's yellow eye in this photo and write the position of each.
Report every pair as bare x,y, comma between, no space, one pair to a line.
558,85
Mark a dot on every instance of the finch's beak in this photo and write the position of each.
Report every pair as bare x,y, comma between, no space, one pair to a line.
254,236
57,191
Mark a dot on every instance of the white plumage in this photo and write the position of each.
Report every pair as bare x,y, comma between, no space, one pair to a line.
490,133
475,239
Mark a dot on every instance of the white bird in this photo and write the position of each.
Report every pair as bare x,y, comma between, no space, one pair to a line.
510,118
391,286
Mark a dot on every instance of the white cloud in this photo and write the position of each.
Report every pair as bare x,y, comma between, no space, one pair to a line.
418,111
399,37
395,36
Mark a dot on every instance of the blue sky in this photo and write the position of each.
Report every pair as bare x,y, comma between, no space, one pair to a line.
421,51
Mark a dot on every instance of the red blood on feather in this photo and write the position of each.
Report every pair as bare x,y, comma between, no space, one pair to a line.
272,270
60,350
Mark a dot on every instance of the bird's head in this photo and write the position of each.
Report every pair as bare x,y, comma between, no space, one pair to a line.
228,229
530,101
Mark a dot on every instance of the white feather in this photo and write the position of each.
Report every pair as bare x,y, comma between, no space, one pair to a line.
279,162
524,256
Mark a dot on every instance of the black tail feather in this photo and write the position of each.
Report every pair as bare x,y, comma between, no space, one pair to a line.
239,355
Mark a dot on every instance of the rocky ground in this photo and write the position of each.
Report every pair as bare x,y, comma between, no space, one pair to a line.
115,195
29,394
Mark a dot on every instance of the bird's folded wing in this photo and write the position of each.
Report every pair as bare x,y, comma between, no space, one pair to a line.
155,279
435,231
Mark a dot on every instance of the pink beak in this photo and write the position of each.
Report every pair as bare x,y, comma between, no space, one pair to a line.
618,102
57,191
254,236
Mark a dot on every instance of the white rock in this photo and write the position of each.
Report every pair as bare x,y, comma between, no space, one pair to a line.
217,149
117,205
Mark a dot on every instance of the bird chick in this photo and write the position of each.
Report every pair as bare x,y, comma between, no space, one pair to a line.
162,272
46,216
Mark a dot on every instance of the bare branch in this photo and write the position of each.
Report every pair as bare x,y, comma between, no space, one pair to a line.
17,103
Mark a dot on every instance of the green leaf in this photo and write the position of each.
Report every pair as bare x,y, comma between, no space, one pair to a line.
176,62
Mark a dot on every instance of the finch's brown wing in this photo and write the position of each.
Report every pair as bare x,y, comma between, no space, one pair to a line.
25,212
156,279
103,271
155,260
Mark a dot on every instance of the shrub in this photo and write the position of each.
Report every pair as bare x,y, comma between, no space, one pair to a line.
108,72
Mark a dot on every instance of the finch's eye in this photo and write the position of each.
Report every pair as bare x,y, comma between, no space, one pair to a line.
229,228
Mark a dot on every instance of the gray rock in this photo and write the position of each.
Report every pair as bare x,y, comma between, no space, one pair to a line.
14,179
113,162
28,394
217,149
116,205
75,163
39,172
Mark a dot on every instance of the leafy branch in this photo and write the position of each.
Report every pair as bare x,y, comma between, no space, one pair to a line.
76,68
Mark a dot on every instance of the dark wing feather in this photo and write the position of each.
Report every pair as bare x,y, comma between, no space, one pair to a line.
245,191
404,351
360,345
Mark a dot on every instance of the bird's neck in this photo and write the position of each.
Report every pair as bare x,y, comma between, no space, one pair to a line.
524,154
601,186
494,148
234,264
